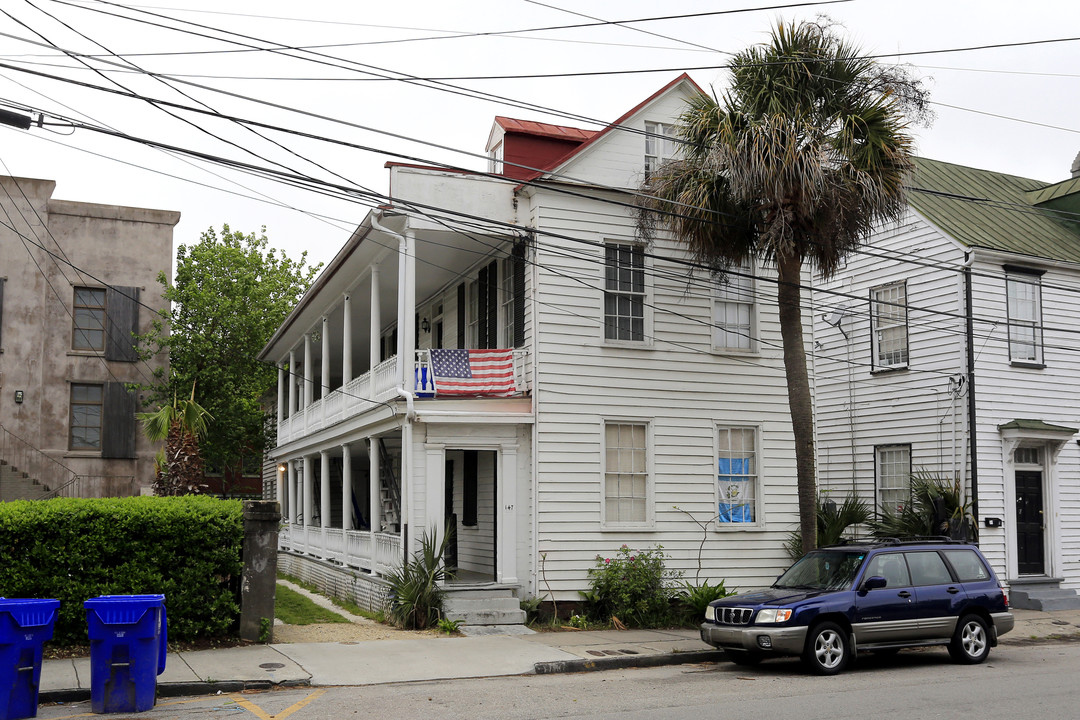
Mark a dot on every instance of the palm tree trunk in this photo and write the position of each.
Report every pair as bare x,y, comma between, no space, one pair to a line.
789,273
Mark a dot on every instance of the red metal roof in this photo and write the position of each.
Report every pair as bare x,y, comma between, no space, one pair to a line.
530,127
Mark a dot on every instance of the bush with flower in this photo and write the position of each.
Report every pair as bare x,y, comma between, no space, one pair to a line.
633,586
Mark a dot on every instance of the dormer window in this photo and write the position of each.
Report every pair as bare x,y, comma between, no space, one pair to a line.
660,146
495,159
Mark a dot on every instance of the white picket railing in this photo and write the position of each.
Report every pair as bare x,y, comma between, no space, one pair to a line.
375,552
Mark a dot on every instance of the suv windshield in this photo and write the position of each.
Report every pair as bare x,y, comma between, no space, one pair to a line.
822,570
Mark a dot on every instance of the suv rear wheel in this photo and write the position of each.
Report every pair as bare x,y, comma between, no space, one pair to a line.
971,641
827,649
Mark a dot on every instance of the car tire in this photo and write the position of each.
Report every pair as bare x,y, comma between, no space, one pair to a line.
828,649
971,642
742,657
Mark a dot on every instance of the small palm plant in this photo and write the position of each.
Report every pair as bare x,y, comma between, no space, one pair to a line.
178,466
416,593
937,507
832,522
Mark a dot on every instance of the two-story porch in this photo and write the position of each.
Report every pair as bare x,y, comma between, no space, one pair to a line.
404,406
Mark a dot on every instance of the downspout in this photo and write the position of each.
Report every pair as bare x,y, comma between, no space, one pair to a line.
969,259
410,412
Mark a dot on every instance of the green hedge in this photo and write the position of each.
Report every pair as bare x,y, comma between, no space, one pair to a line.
188,548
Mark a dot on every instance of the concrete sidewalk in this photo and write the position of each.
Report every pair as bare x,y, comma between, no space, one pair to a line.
388,661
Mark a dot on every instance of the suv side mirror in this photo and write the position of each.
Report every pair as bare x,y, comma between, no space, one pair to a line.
874,583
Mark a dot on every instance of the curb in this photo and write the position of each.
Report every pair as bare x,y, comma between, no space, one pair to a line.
178,689
627,661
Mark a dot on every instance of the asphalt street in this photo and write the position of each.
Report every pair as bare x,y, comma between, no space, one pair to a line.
1036,680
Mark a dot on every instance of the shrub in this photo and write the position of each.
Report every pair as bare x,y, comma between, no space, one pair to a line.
937,507
416,597
187,548
832,522
633,586
695,598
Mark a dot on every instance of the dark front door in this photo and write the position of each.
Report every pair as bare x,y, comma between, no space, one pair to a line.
1030,558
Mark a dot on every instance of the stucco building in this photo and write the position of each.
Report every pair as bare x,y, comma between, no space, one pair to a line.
76,281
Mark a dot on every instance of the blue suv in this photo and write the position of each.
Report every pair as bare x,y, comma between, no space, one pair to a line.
879,596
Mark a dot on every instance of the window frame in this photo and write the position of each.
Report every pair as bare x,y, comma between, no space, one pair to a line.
722,291
79,331
100,405
877,363
648,522
1015,277
643,296
506,303
659,137
879,462
758,520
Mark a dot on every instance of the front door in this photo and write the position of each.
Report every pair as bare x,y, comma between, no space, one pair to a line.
1030,557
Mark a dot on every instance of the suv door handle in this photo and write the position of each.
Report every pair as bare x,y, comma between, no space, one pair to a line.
953,590
904,594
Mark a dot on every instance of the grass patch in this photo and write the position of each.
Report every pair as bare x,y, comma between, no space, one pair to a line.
292,608
350,607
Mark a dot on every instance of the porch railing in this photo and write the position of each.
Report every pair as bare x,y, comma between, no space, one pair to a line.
379,385
361,549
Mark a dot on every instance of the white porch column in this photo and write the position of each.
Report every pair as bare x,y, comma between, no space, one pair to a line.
374,488
292,383
324,390
309,491
375,319
324,489
346,340
280,394
406,315
279,489
308,380
435,476
346,487
293,514
506,572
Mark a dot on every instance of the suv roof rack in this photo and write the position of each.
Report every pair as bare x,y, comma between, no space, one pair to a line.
891,541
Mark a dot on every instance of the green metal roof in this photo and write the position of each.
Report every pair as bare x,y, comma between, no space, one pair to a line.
1005,218
1037,425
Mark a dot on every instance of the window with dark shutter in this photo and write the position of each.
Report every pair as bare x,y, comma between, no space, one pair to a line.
468,489
118,426
482,325
122,322
519,292
461,319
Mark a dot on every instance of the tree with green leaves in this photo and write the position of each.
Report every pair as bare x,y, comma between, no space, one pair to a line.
230,293
794,165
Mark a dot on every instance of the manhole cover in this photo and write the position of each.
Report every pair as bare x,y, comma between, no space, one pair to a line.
272,666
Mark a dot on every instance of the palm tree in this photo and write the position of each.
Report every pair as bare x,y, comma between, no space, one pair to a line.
179,466
795,164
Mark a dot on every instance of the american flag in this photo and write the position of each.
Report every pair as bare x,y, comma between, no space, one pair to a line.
473,372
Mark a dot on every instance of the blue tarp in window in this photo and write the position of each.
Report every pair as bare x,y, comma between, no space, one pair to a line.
736,491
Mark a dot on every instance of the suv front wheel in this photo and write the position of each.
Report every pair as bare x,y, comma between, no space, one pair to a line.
971,641
827,649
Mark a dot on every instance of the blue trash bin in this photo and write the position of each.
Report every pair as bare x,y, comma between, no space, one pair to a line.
25,625
128,639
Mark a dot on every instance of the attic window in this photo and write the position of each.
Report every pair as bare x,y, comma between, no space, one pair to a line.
495,159
660,146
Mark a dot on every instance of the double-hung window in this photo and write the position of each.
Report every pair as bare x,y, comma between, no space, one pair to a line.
101,418
733,310
86,411
738,475
626,474
88,331
660,146
624,291
1024,291
889,334
893,470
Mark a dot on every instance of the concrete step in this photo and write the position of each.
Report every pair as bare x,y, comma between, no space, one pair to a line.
484,610
1043,596
479,594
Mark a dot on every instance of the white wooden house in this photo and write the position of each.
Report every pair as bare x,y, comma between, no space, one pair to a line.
645,396
951,343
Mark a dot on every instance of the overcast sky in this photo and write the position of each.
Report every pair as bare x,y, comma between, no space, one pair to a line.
1010,109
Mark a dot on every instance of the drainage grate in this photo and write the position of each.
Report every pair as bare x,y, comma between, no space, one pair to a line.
272,666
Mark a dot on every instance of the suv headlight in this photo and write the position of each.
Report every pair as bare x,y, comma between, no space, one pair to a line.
710,613
773,615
